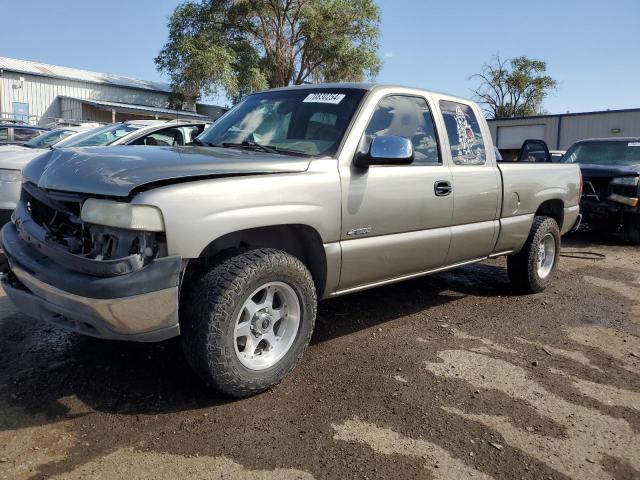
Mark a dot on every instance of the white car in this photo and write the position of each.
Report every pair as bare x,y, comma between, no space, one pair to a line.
137,132
172,133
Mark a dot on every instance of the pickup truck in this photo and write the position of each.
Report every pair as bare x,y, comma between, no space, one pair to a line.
294,195
611,172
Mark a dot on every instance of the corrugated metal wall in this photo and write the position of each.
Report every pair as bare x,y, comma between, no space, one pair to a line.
561,131
602,125
41,94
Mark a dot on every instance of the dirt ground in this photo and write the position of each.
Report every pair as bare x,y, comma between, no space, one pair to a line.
446,377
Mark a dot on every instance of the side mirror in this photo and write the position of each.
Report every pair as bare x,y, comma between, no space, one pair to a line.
386,150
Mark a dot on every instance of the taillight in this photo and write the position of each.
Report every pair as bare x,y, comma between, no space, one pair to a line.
581,183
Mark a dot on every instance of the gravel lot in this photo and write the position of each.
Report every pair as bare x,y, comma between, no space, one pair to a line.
450,376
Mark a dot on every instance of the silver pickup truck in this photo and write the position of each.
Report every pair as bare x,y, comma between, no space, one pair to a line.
295,195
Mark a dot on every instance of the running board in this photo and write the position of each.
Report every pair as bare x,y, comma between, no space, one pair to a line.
407,277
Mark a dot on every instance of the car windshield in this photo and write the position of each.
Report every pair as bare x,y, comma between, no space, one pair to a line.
47,139
298,121
100,136
613,152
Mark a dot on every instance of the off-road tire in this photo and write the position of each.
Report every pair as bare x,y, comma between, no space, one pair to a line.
523,267
209,308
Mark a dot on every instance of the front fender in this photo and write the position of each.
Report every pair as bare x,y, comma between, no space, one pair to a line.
197,213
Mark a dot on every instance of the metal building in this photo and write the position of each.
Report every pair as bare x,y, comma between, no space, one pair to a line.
561,131
40,93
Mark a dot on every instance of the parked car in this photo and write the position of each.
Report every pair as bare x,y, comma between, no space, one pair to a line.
611,171
294,195
12,133
143,132
14,157
138,132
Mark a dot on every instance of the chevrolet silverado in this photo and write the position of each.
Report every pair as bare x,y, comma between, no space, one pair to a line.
294,195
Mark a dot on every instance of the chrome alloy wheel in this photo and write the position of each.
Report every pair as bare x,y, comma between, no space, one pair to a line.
267,325
546,255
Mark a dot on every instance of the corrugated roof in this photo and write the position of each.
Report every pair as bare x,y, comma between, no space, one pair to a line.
130,108
576,114
43,69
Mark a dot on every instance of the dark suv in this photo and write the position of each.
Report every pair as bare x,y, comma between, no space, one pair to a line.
611,173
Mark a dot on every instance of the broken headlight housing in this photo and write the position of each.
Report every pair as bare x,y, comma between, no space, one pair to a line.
122,215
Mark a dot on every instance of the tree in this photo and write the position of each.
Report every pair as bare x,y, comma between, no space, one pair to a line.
239,46
514,87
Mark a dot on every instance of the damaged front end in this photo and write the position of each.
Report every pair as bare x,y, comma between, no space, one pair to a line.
51,223
94,279
608,201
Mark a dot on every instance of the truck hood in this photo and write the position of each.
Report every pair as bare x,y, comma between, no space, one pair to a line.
117,171
608,171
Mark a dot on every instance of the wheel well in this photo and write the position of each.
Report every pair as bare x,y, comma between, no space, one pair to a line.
301,241
553,209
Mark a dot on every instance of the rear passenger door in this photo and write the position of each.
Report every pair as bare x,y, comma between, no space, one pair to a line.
476,184
393,222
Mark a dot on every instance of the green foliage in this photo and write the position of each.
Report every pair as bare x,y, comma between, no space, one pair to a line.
514,87
239,46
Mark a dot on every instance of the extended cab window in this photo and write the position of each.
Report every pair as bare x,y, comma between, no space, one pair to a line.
463,131
407,117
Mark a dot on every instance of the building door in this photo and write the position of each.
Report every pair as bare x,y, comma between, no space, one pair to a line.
20,111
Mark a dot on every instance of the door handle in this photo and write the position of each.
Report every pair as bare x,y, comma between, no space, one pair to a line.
442,188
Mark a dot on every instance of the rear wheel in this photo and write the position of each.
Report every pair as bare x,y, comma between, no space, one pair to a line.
531,270
247,321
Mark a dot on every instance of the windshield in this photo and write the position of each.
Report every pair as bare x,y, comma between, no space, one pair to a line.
304,121
100,136
613,152
47,139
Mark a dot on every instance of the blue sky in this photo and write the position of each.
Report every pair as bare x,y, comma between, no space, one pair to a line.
592,47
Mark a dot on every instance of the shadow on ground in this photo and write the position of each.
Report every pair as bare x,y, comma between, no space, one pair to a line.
42,364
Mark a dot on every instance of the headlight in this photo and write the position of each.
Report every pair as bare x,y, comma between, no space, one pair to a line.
631,181
10,175
122,215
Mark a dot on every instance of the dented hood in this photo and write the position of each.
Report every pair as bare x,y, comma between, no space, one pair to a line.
117,171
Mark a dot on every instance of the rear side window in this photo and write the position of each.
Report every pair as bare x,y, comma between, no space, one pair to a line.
169,137
4,134
408,117
463,131
24,134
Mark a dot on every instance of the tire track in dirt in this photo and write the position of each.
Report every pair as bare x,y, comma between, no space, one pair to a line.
589,434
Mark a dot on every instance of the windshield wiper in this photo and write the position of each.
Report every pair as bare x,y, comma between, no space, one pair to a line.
248,144
206,144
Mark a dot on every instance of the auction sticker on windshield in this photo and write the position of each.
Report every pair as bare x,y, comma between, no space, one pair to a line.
633,144
333,98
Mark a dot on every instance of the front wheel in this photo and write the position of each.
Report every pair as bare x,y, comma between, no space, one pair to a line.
247,321
531,270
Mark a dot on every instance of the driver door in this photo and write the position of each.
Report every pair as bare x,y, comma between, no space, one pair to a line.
396,218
